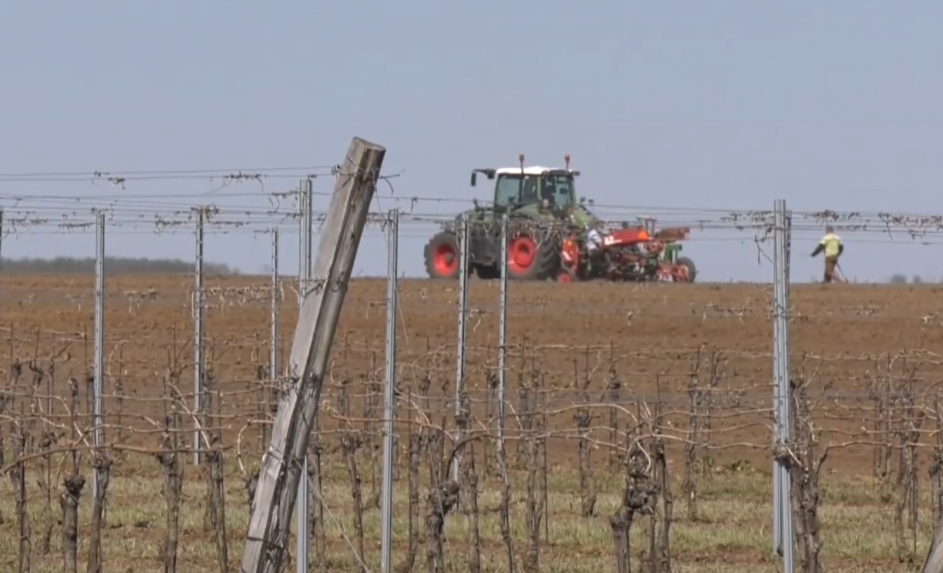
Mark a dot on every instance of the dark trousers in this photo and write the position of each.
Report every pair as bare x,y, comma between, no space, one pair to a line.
831,274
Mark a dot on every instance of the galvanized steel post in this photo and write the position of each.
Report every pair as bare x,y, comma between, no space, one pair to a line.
783,542
389,396
302,508
99,373
198,305
462,330
273,318
503,333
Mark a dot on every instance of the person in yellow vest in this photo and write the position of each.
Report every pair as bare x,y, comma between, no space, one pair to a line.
832,246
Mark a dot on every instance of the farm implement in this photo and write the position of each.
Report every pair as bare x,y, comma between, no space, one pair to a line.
544,240
628,254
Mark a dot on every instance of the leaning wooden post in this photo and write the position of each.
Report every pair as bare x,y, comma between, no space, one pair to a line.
934,561
274,501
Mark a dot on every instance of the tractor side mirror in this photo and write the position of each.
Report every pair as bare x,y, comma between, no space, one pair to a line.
474,178
582,200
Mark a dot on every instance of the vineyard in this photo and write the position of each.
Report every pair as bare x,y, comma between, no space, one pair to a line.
638,424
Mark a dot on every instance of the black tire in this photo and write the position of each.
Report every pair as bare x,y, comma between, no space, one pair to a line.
692,270
488,272
546,260
434,253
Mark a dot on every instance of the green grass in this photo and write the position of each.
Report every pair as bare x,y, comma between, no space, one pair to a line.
732,534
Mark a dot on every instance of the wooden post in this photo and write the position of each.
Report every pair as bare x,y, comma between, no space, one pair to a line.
274,501
934,561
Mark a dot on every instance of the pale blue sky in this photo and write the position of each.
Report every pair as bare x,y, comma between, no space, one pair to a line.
727,104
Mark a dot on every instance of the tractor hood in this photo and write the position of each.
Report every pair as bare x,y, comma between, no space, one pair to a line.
454,225
532,211
581,210
485,214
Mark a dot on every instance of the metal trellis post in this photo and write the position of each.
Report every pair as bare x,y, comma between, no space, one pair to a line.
777,433
462,330
786,393
198,339
389,401
99,380
274,298
273,392
782,513
303,510
503,332
1,237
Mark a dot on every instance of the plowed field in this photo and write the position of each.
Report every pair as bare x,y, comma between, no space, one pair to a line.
648,335
849,342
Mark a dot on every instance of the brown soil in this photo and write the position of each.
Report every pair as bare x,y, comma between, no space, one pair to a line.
648,334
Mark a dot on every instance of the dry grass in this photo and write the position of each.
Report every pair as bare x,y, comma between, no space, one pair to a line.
732,534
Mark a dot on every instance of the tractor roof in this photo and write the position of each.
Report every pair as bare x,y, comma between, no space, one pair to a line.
533,170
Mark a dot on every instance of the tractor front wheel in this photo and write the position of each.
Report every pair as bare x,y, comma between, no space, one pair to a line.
442,256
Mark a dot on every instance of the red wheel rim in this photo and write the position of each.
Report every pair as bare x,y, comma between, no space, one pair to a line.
445,260
521,253
564,277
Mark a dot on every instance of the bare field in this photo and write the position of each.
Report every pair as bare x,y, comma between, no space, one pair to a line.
612,351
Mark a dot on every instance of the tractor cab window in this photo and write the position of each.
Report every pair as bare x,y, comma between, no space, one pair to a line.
508,186
561,189
558,190
548,191
529,191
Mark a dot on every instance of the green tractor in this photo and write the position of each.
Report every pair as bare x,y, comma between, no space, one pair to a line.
538,199
542,207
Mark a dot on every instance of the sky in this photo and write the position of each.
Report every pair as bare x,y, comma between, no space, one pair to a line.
709,106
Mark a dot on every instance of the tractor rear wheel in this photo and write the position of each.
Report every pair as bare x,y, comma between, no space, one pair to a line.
692,270
442,256
531,258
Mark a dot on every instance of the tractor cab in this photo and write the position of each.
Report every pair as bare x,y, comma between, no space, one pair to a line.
549,188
